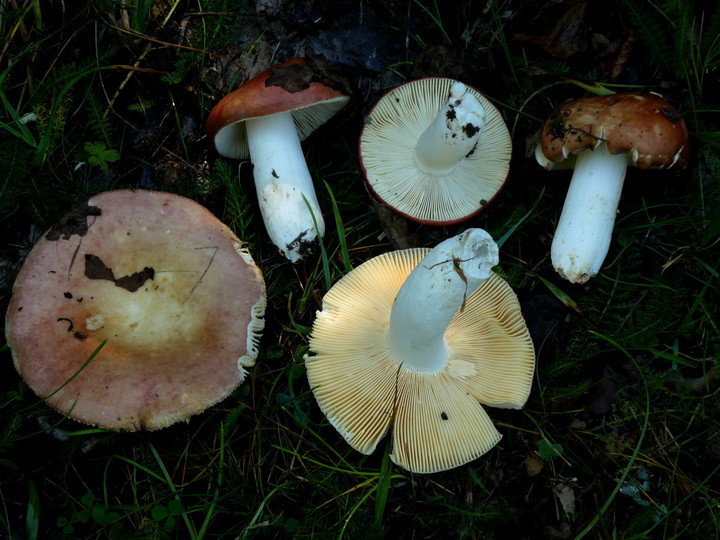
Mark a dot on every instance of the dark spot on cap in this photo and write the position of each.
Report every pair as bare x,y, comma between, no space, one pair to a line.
671,115
95,268
75,222
69,321
557,128
67,294
443,416
297,77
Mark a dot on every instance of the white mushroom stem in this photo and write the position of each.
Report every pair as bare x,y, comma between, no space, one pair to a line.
283,184
583,234
431,296
453,134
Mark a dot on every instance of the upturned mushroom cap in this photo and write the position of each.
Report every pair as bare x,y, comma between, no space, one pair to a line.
304,87
436,421
644,126
387,156
161,287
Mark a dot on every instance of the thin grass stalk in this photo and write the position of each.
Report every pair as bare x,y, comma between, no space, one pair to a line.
354,509
436,19
636,451
323,251
383,485
32,517
221,465
340,230
168,481
519,222
258,512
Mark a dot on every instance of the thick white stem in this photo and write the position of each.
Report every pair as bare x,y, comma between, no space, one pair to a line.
453,134
583,234
283,184
433,293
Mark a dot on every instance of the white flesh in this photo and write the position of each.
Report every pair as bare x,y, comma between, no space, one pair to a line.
453,134
583,234
433,293
283,184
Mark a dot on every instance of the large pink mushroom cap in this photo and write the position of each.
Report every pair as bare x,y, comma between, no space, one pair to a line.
159,288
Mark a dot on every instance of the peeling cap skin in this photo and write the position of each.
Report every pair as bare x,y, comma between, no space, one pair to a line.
155,283
436,418
644,126
400,156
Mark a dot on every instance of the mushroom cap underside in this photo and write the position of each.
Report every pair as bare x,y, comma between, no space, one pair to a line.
387,156
309,91
437,420
645,126
156,286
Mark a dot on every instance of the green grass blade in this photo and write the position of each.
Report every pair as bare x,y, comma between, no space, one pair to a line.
168,481
218,484
32,518
323,251
354,509
436,19
590,526
259,511
340,231
519,222
383,485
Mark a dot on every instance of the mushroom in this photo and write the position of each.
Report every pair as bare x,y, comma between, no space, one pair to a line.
264,120
600,137
413,340
435,150
138,310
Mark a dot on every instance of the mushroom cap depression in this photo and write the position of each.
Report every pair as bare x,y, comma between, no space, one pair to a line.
159,287
644,126
387,156
306,88
436,421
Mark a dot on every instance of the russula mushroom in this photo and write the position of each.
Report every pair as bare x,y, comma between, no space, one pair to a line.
600,137
160,287
264,120
412,341
435,150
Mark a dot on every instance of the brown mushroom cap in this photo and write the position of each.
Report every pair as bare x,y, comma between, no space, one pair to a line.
644,126
304,87
436,420
160,286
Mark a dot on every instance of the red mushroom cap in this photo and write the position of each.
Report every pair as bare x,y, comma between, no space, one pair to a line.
306,88
155,283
